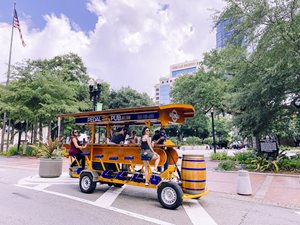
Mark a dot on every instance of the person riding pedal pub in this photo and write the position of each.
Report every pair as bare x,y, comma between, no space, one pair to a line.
118,136
148,153
76,150
160,139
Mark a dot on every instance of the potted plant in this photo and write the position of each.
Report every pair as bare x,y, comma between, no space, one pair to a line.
51,161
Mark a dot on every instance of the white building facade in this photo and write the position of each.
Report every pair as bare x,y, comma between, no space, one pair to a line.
163,89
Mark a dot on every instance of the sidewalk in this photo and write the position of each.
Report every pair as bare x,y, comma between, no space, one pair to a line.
277,189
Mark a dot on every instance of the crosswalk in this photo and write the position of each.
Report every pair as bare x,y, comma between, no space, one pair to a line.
193,209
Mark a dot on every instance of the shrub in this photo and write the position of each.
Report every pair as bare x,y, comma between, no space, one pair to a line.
193,141
244,157
284,147
291,164
30,151
219,156
250,166
226,165
12,151
208,141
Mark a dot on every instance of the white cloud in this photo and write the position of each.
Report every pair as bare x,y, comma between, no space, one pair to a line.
133,44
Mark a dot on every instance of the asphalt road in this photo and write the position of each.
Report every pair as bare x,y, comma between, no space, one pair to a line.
26,199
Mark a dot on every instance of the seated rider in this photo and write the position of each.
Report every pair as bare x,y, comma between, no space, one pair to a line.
118,136
155,137
159,139
76,149
133,139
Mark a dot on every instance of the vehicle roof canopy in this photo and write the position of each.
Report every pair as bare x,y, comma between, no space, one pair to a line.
163,115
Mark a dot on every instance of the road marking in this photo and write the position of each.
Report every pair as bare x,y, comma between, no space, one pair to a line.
36,179
109,197
96,203
298,212
41,187
196,213
19,167
142,217
264,187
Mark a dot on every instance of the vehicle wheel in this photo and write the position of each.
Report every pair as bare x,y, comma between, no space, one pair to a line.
170,195
86,183
118,185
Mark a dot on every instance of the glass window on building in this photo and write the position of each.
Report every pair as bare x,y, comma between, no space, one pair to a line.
164,97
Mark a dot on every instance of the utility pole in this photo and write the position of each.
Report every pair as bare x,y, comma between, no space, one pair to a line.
7,80
213,129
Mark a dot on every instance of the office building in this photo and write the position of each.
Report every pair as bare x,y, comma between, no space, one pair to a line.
163,89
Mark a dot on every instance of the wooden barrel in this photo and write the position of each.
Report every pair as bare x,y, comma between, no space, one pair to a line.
193,174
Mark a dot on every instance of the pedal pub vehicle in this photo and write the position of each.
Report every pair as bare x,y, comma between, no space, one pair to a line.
103,160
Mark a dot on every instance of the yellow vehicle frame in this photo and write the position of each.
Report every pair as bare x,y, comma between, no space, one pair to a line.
116,154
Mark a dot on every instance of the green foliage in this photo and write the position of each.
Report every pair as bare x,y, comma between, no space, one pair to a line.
264,164
244,157
208,141
31,151
126,97
284,148
204,90
291,164
43,88
226,165
47,149
192,141
259,163
219,156
12,151
262,80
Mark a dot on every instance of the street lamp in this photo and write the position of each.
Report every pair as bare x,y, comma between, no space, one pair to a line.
95,92
213,129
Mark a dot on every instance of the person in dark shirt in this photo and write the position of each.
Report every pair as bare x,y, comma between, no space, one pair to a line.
155,137
147,154
118,136
160,139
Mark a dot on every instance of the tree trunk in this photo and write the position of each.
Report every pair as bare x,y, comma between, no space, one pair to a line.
62,130
8,130
12,132
40,131
255,141
49,130
35,131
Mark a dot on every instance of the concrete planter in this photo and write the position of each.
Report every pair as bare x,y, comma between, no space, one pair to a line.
50,168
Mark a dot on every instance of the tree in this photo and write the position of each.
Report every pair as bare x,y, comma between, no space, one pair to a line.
269,76
126,97
43,88
204,90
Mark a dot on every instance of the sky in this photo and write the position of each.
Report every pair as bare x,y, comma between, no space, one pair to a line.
122,42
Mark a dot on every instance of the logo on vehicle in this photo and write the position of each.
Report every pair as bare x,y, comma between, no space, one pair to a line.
174,116
105,118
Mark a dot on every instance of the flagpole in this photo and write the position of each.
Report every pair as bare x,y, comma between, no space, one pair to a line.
8,77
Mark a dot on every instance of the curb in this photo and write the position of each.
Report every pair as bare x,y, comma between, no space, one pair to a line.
258,173
63,179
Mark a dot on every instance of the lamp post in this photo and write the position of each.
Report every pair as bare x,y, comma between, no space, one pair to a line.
95,92
213,129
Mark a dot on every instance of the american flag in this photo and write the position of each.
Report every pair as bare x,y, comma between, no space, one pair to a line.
16,24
